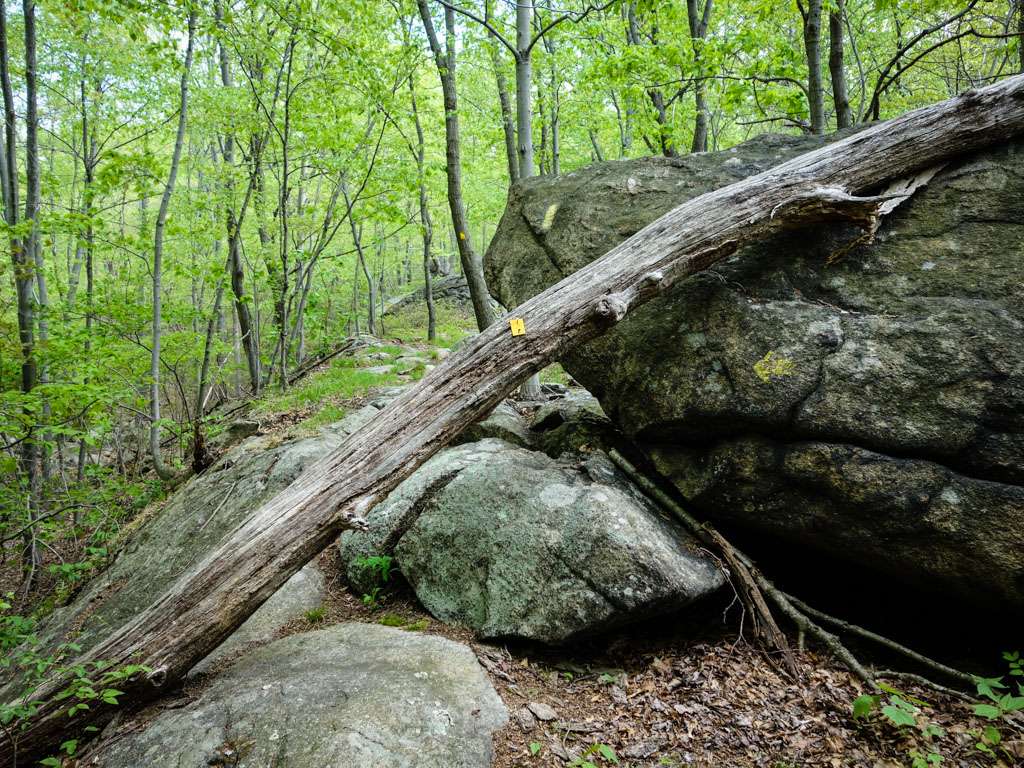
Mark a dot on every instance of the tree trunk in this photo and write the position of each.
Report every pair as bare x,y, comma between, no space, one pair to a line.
844,115
445,62
598,155
23,265
246,327
31,262
218,593
524,85
556,107
1020,33
698,19
508,124
165,472
812,47
426,225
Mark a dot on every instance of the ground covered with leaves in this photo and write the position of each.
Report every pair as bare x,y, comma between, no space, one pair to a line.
691,692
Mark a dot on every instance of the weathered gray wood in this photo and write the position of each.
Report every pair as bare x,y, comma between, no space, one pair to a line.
219,593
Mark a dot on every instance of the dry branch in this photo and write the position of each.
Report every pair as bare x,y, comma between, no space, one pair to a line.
216,595
754,587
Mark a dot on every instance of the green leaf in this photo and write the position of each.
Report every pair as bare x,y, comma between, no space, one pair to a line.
607,753
1012,703
987,710
535,747
864,705
898,716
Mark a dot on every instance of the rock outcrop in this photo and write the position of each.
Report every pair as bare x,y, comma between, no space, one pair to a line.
357,695
192,522
863,400
513,543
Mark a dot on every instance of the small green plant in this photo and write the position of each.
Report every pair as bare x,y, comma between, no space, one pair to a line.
999,702
535,747
72,573
988,740
379,567
91,682
316,615
393,620
922,760
903,712
601,752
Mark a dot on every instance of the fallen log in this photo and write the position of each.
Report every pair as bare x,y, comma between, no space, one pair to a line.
215,596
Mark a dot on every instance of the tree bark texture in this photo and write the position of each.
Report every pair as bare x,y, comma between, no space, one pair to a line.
444,59
811,14
698,19
840,97
219,592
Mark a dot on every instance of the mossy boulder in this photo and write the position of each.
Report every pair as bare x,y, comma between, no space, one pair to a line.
513,543
862,399
190,524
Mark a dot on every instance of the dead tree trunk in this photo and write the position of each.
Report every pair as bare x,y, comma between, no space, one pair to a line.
217,594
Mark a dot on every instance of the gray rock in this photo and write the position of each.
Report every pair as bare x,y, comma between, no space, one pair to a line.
573,422
504,422
450,288
864,401
234,432
379,370
513,543
542,711
301,593
354,695
409,363
191,523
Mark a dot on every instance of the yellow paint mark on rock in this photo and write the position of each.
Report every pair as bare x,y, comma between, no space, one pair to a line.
549,217
773,366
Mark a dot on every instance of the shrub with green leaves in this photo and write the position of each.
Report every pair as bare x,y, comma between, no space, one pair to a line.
92,682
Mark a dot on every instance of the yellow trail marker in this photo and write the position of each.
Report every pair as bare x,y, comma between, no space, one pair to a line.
517,325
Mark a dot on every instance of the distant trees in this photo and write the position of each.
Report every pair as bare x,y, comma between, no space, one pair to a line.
158,254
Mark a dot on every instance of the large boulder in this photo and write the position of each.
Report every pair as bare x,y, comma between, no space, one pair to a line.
513,543
866,400
357,695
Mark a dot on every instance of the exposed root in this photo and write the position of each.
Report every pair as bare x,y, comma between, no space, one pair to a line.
867,634
892,674
746,577
755,590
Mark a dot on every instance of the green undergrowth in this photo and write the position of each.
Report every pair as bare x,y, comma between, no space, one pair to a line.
325,396
409,325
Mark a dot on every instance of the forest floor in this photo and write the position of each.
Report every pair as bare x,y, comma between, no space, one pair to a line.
683,692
